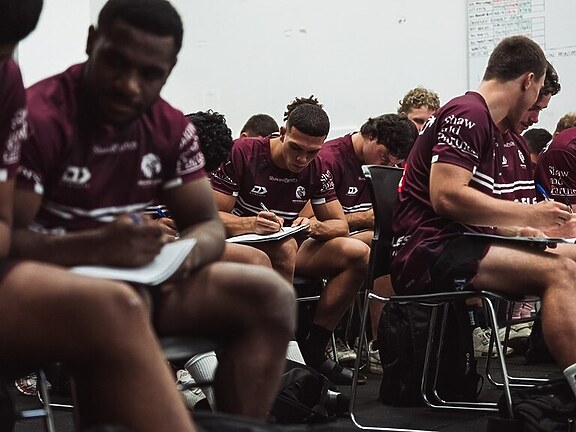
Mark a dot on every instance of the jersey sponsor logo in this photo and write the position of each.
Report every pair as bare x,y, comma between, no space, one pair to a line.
115,148
18,134
459,121
504,161
258,190
300,192
76,176
283,179
150,165
326,181
352,190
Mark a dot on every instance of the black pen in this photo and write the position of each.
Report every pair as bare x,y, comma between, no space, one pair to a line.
266,210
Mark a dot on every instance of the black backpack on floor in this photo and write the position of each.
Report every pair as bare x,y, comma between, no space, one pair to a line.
402,338
548,407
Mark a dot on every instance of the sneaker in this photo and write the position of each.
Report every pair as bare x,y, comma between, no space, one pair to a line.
28,385
521,330
481,340
344,353
374,364
191,395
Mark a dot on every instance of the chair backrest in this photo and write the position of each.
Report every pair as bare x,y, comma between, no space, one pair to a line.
383,182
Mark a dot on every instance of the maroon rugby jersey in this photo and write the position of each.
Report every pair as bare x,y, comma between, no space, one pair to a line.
461,133
346,168
13,123
516,177
556,167
250,175
89,173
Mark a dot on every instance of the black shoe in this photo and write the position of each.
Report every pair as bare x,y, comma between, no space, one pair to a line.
339,375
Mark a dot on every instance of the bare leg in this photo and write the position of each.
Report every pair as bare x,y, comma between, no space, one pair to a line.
382,287
252,309
521,271
239,253
282,255
344,261
101,331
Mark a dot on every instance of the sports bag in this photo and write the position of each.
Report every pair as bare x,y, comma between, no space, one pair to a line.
306,396
402,338
548,407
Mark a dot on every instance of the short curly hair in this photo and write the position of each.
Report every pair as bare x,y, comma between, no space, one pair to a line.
419,97
567,121
307,115
215,137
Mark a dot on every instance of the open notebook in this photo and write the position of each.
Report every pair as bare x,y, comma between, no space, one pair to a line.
258,238
534,241
161,268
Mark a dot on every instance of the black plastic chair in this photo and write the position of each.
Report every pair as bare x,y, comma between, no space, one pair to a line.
384,182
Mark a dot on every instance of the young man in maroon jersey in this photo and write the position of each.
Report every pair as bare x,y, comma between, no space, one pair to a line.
383,140
264,185
105,145
452,184
98,329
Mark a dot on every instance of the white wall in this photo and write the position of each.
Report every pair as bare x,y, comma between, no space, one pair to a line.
58,41
241,57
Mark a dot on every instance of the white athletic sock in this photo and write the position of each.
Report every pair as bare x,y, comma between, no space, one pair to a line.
293,352
570,374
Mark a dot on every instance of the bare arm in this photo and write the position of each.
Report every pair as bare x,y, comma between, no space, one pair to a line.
263,223
452,197
193,209
330,221
6,195
120,243
360,220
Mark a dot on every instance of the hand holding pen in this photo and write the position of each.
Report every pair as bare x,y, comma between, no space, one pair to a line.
546,197
268,222
548,213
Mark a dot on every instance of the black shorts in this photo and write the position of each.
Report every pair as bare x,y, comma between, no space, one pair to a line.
458,264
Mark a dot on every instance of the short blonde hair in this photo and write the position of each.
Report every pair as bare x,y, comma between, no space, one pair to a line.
567,121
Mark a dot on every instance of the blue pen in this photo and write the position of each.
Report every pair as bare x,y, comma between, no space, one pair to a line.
543,192
161,213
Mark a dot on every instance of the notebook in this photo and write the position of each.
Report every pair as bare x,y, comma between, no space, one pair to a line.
161,268
257,238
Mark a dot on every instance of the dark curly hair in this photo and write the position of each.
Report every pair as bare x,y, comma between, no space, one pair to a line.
307,115
396,132
215,137
551,85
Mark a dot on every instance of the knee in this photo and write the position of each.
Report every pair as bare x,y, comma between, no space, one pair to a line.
116,306
356,254
277,302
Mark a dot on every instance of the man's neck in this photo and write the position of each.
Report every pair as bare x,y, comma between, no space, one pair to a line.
276,153
498,96
358,141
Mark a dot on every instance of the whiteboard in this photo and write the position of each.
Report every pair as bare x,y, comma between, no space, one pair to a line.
548,22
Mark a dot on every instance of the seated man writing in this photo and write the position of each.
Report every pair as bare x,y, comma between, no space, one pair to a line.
452,184
105,145
281,174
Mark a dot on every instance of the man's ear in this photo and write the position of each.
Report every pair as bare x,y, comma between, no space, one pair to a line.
92,35
243,135
527,81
